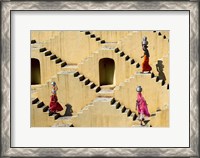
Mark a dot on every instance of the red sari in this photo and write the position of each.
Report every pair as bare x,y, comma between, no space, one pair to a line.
145,64
54,104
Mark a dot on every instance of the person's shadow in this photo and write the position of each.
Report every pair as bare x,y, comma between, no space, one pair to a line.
159,68
68,111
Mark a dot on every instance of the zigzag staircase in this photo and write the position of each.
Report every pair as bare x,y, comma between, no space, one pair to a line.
92,85
159,34
121,53
126,57
43,110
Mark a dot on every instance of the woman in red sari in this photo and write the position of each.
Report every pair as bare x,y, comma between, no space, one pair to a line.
54,104
141,105
145,64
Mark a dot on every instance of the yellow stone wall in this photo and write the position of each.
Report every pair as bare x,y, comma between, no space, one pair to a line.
158,48
70,46
70,91
43,36
111,36
40,118
100,113
90,66
74,47
155,95
81,50
161,119
48,68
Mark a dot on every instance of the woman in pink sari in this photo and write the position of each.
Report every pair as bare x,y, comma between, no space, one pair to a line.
141,105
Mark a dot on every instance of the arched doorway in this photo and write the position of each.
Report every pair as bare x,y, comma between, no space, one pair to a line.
35,71
106,71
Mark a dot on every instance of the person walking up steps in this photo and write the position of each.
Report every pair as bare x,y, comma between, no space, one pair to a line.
141,106
54,104
145,64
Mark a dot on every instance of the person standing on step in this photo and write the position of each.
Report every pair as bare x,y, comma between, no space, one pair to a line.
145,64
141,106
54,104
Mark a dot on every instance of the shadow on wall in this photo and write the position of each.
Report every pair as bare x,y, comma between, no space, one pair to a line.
68,111
160,67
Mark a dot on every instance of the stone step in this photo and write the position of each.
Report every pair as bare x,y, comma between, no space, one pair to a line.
132,61
122,108
127,57
153,115
98,39
102,99
147,123
117,50
43,49
97,88
85,108
90,105
109,46
66,72
64,118
81,77
63,63
133,116
112,101
116,105
70,68
129,60
91,85
136,123
47,53
128,112
106,93
79,113
144,73
55,116
117,88
76,74
137,65
107,87
121,54
92,36
40,105
52,56
102,41
58,60
152,75
34,101
86,81
33,41
167,86
45,109
87,32
62,125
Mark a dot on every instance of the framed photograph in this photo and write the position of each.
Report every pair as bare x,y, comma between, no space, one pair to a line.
114,78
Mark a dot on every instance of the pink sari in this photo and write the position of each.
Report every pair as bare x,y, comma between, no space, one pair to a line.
142,105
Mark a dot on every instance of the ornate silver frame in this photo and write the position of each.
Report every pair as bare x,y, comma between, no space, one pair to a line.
8,6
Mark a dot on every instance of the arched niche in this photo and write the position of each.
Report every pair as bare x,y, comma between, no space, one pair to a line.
106,71
35,72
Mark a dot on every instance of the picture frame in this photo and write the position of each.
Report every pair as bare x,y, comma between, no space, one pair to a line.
8,7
